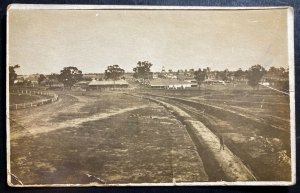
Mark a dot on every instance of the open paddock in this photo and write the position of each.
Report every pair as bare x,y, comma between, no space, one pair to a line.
20,99
259,136
104,138
15,98
116,136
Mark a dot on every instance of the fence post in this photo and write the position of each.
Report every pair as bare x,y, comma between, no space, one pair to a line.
53,98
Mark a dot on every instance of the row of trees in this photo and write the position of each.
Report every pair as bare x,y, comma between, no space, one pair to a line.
70,75
253,75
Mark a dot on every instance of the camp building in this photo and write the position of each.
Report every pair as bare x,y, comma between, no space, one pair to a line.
171,84
107,84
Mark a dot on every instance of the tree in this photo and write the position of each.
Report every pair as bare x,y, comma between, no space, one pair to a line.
142,70
69,76
114,72
254,75
278,77
87,79
285,75
12,74
53,79
200,75
238,74
185,72
224,75
277,73
41,78
192,71
53,76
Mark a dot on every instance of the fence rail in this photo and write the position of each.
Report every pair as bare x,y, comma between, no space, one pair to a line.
54,97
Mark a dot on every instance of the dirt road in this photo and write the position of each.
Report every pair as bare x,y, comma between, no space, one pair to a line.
264,148
101,138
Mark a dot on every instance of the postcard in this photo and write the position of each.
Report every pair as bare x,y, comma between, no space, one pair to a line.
150,96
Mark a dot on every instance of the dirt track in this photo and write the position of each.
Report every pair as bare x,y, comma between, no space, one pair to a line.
112,137
229,167
263,150
103,134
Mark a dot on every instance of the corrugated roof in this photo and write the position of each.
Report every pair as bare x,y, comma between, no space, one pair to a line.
82,82
108,82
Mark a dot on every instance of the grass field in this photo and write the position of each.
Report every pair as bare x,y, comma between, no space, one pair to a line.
262,141
16,98
112,137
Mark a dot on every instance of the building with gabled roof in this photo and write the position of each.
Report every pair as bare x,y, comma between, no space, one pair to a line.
96,84
171,84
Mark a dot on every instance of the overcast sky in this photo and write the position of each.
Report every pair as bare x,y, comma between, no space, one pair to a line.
45,41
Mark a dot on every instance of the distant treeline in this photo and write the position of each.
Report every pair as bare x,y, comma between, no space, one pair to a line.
70,75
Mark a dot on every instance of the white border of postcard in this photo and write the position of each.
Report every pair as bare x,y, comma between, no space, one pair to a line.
290,22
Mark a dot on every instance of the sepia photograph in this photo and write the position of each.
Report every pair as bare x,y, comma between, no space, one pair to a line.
149,96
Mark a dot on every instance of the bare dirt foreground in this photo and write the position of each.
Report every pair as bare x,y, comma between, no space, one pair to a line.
104,138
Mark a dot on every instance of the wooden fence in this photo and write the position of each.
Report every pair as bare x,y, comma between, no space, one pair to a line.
54,97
